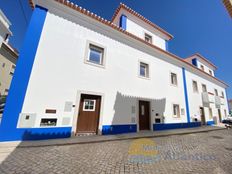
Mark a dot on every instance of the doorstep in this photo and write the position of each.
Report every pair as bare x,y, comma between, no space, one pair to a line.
105,138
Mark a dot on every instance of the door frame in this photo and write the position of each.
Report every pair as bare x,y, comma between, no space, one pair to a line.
77,106
204,115
150,118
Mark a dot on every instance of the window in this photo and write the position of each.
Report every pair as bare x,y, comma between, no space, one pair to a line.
12,70
3,65
176,110
204,88
216,92
195,87
210,72
202,68
96,54
144,70
210,113
223,96
148,38
89,105
173,79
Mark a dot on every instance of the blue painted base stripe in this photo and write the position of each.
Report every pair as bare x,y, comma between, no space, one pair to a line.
165,126
36,133
118,129
210,123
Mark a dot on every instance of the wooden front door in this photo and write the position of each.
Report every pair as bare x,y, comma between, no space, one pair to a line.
88,115
144,115
219,115
202,112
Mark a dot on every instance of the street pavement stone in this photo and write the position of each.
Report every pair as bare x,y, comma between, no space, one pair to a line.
208,152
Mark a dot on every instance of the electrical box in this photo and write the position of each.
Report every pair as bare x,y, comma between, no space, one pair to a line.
26,120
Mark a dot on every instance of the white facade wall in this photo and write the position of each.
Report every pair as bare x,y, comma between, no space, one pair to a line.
195,99
59,74
139,28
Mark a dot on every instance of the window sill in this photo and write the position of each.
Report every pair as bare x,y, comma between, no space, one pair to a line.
146,78
94,64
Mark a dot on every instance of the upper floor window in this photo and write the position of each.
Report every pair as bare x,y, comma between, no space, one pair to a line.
216,92
176,110
144,70
173,79
195,86
223,96
96,54
204,88
202,68
210,72
148,38
12,70
3,65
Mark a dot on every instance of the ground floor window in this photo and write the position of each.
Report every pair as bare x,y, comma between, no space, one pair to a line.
176,110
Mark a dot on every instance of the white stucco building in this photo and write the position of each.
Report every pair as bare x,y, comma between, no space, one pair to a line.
83,74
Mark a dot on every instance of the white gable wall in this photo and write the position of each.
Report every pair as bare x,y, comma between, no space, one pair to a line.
139,28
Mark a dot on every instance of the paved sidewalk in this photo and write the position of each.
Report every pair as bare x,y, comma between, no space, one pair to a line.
100,138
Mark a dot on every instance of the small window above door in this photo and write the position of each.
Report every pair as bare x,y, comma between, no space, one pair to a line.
89,105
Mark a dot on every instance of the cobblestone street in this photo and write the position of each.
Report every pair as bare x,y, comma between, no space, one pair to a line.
193,153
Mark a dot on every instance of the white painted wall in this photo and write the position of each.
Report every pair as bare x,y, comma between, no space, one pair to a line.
59,74
206,67
139,28
195,99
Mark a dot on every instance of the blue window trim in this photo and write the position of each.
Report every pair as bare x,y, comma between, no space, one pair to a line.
186,95
166,44
227,101
194,62
123,22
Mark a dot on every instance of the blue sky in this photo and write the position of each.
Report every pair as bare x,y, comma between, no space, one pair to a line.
197,26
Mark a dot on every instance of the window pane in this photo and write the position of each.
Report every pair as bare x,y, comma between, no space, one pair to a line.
142,70
173,79
95,56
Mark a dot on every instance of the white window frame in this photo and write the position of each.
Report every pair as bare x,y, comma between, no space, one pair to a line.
205,87
146,35
94,105
216,92
195,91
147,70
178,112
172,73
87,54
